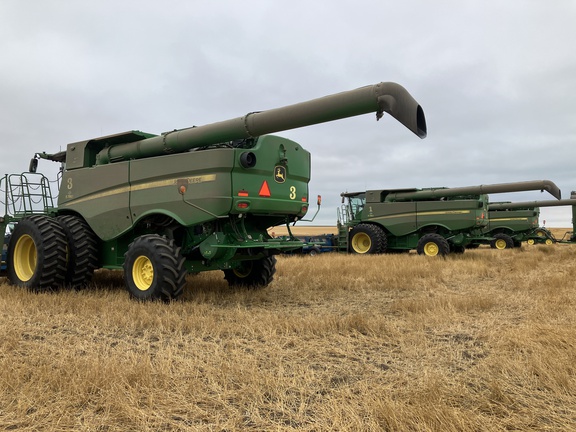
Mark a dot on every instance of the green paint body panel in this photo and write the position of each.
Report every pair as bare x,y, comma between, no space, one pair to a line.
113,198
191,188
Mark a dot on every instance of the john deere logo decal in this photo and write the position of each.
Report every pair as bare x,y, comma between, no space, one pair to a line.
279,174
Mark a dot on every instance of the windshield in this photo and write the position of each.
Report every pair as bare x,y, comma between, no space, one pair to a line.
356,204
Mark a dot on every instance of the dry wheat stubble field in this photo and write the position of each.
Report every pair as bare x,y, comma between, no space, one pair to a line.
483,341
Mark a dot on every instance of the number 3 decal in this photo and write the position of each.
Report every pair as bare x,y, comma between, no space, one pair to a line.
292,192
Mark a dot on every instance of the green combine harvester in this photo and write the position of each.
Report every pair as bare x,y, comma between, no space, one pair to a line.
186,201
434,221
512,223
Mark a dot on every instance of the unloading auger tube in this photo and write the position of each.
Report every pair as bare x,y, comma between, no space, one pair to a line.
383,97
436,193
531,204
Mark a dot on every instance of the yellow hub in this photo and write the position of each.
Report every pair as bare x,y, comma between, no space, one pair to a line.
530,241
143,273
361,243
500,244
549,242
431,249
25,257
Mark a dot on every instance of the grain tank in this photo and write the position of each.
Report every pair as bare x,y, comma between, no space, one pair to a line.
434,221
185,201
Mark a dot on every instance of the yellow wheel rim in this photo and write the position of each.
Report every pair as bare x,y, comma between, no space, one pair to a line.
361,243
548,242
540,233
244,270
431,249
500,244
143,273
530,241
25,257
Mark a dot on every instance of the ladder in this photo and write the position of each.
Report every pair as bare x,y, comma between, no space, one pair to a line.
343,218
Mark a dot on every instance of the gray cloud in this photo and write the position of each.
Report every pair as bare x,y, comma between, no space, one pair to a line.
496,81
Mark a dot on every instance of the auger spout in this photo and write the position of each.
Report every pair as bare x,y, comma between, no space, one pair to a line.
386,97
531,204
437,193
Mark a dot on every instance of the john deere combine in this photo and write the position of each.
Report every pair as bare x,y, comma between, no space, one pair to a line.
434,221
190,200
512,223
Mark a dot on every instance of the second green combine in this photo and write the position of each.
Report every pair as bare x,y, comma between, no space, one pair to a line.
512,223
434,221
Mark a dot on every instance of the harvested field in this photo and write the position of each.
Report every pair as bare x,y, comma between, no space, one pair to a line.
483,341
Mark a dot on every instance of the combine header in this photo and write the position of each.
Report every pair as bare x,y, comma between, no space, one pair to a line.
185,201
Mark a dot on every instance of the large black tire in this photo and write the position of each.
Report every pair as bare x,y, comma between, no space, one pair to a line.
37,254
456,249
502,241
154,269
252,274
367,239
432,245
82,253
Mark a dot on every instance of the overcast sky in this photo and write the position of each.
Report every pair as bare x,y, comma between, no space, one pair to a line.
496,80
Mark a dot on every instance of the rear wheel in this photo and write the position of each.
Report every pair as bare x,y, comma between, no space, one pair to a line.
252,274
154,269
37,254
82,256
367,239
457,249
502,241
433,245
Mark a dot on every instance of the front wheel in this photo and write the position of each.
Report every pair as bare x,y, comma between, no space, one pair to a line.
367,239
502,241
154,269
433,245
252,273
37,254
